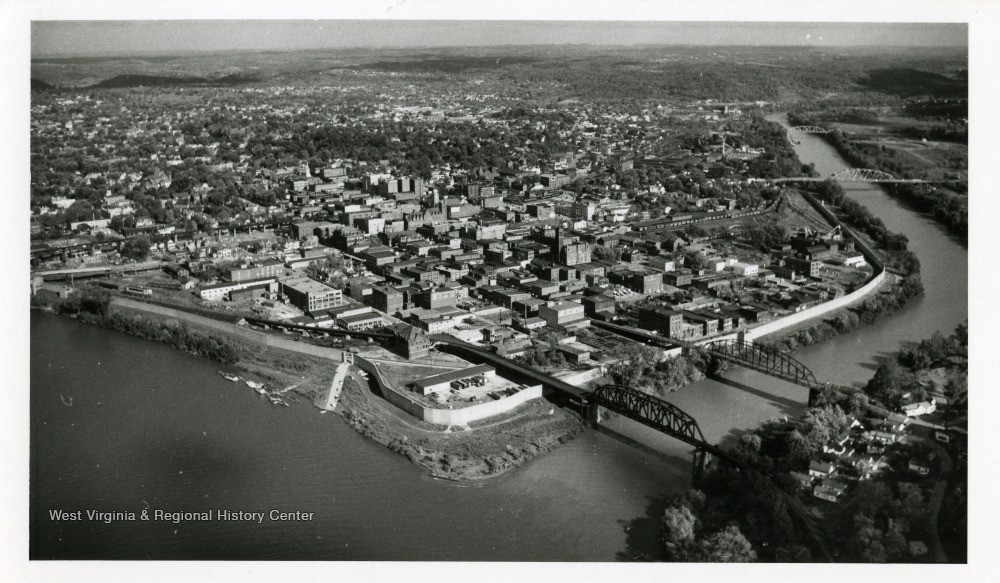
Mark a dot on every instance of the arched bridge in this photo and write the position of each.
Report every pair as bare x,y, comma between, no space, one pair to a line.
810,130
765,360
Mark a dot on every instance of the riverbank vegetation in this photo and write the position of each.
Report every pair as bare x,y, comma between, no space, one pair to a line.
948,208
488,448
688,537
859,527
905,378
92,306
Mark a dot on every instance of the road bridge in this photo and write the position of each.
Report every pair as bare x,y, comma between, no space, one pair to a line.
856,175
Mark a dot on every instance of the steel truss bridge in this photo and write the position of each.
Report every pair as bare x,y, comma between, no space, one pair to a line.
810,130
856,175
869,175
660,415
765,360
650,411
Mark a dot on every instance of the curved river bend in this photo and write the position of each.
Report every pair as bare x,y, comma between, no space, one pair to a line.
150,425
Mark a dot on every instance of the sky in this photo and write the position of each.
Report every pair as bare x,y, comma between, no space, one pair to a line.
82,38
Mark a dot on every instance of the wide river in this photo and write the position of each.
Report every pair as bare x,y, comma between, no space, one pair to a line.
153,427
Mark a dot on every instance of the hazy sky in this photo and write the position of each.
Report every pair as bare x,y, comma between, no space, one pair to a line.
50,38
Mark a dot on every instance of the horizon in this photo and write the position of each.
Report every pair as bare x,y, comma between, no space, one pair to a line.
62,39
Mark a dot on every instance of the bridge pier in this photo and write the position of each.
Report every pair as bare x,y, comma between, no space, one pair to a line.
699,465
592,413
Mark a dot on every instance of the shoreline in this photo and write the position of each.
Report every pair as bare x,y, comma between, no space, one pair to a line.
472,455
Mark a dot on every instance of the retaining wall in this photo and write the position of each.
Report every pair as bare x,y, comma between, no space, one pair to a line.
447,417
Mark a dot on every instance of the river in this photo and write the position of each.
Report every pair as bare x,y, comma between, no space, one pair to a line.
852,358
151,426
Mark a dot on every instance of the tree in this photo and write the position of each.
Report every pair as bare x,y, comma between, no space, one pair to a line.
95,301
604,253
725,546
677,529
889,383
136,248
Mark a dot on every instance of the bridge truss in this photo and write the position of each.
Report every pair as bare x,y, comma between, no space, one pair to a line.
764,360
810,130
650,411
864,175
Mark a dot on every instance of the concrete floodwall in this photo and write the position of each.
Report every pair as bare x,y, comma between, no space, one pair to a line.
873,284
447,417
815,311
390,394
466,415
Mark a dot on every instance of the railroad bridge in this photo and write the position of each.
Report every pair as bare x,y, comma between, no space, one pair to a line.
766,360
660,415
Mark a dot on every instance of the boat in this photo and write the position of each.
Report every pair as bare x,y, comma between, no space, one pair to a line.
255,385
229,377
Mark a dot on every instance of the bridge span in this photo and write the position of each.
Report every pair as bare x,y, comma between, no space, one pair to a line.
857,175
810,130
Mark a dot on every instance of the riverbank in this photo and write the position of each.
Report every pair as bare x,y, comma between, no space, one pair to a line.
487,449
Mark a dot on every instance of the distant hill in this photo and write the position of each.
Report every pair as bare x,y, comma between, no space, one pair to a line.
39,85
911,82
130,80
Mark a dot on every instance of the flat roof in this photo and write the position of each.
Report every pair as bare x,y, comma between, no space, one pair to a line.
308,286
361,318
454,375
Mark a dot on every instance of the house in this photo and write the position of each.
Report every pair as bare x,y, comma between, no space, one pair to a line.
883,436
821,469
920,466
917,409
803,480
839,445
824,493
834,485
900,525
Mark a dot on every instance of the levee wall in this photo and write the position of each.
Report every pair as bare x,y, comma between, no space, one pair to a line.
447,417
873,284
